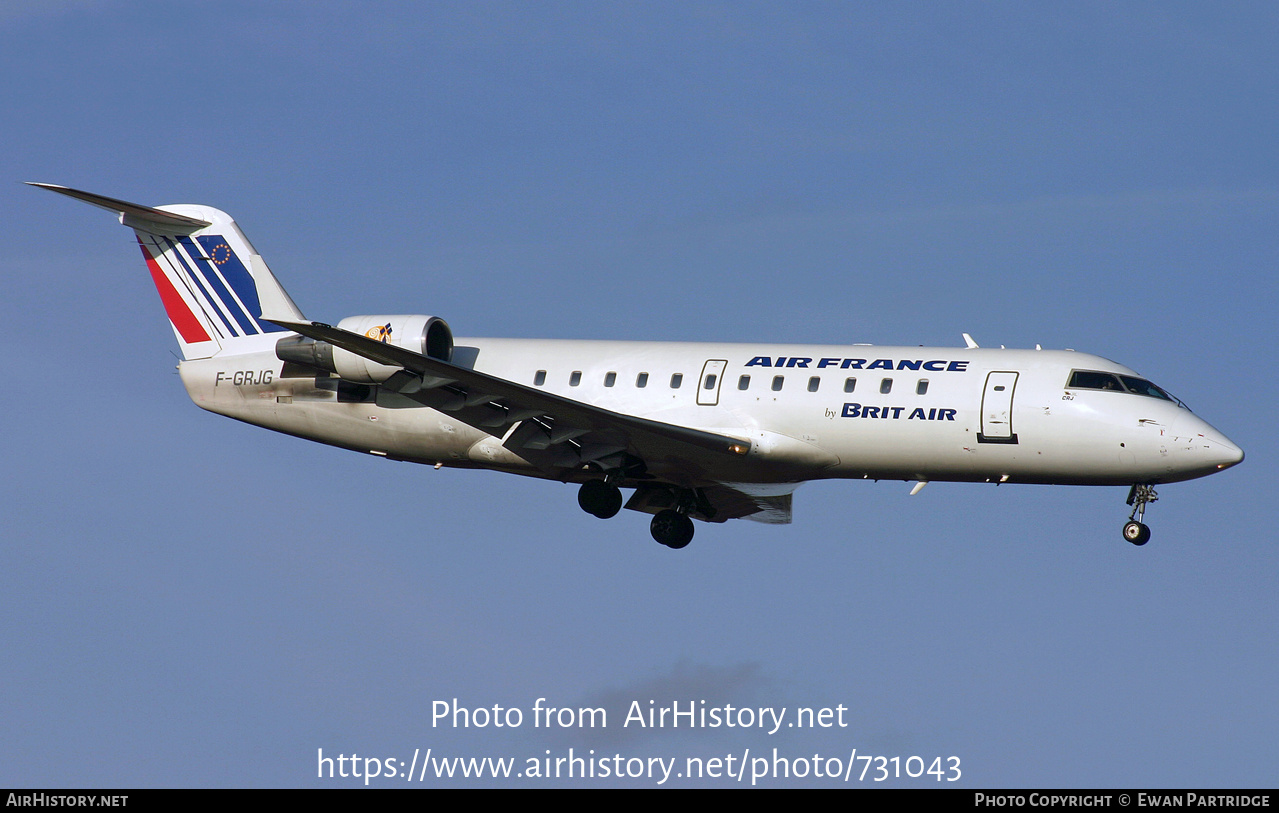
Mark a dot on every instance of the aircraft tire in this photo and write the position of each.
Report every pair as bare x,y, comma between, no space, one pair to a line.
672,529
1136,533
599,498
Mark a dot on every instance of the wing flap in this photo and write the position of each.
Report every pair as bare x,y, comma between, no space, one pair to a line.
549,430
770,504
760,502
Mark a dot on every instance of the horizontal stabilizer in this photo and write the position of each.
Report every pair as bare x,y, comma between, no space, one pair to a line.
143,218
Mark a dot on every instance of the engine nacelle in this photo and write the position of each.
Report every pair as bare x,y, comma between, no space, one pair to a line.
428,335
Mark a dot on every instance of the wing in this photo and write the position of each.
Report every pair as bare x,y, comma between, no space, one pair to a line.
554,433
769,503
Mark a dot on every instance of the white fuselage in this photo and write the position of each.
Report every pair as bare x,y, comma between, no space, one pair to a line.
860,411
699,431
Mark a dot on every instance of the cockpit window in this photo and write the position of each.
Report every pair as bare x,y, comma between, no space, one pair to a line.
1086,380
1092,380
1143,387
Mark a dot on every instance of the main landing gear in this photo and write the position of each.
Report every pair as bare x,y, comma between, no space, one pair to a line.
670,527
1135,531
601,498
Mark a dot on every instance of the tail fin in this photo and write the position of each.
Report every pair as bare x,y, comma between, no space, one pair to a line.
214,285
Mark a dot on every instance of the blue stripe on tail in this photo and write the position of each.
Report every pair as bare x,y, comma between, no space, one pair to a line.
171,249
220,291
238,277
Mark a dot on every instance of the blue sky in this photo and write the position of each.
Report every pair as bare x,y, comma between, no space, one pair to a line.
189,601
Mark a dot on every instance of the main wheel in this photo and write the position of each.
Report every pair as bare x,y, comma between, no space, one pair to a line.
1136,533
672,529
602,499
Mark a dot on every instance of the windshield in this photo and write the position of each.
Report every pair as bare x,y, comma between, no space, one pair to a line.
1094,380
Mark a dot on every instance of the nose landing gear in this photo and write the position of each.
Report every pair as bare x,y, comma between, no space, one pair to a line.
1135,531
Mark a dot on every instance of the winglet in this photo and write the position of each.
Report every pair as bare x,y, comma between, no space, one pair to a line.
968,340
145,218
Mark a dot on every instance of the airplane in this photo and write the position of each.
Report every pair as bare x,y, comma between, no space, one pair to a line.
705,431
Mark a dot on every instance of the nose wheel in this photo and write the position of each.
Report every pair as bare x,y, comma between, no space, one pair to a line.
1135,531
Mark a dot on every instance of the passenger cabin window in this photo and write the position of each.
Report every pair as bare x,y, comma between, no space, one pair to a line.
677,380
610,379
814,383
539,378
641,380
922,387
710,382
850,384
744,382
778,380
575,378
886,386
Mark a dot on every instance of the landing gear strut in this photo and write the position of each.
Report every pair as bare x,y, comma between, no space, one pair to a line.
600,498
1135,531
672,529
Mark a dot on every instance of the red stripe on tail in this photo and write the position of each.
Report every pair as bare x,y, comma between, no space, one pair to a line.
189,328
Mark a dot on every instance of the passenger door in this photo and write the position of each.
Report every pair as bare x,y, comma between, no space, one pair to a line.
712,378
997,409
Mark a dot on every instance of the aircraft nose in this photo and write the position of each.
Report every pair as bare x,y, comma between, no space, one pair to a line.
1226,453
1216,450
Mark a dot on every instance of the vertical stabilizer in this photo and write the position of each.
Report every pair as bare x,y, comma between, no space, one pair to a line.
212,282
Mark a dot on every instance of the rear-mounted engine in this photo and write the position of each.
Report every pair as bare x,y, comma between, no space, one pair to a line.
428,335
